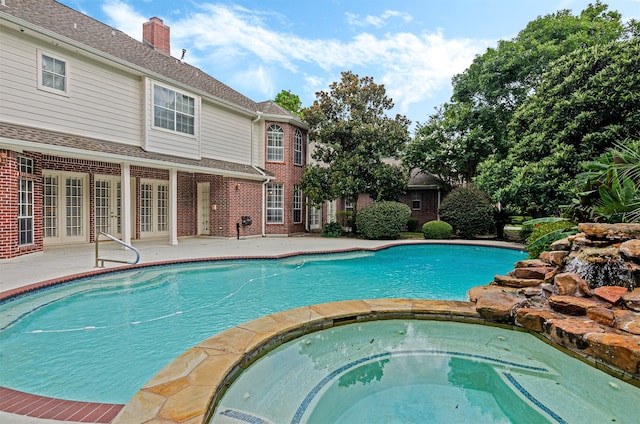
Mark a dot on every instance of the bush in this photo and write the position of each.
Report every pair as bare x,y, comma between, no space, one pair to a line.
469,212
438,230
544,231
412,224
332,229
382,220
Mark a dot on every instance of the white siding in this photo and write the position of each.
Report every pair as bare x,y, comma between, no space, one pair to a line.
102,102
168,142
226,135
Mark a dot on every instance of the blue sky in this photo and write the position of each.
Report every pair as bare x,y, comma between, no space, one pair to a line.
261,47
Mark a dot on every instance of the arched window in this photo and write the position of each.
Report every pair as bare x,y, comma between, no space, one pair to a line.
275,144
297,148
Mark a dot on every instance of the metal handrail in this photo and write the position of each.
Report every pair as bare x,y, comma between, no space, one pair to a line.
120,242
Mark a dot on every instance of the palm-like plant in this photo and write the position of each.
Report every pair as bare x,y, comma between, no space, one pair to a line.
611,186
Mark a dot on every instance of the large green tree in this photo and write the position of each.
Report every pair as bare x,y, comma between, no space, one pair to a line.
354,143
474,124
586,102
289,101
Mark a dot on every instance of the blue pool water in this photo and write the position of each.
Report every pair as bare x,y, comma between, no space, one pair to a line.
101,339
398,371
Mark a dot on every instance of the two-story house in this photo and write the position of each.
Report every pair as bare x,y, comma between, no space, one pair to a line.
100,132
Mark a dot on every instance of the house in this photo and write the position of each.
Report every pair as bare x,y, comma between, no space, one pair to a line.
100,132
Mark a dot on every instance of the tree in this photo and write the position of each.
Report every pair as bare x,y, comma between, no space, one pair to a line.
289,101
473,125
587,101
354,141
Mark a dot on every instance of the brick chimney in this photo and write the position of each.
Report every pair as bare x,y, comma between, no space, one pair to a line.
156,34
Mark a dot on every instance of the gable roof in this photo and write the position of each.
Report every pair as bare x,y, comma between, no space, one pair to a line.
60,21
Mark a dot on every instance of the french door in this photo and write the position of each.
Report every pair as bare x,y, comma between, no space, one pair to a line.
65,203
108,205
204,195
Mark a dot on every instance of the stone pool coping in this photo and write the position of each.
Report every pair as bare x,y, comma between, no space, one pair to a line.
188,389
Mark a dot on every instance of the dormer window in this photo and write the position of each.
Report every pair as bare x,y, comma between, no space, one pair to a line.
173,111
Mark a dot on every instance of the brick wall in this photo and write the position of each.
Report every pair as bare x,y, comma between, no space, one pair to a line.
289,175
429,205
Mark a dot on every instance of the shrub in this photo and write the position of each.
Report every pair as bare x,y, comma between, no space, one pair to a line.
332,229
438,230
382,220
544,231
412,224
469,212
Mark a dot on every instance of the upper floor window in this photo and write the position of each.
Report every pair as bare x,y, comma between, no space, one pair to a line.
54,73
173,111
416,201
297,148
275,144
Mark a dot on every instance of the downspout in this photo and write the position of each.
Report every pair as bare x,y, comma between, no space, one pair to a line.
266,178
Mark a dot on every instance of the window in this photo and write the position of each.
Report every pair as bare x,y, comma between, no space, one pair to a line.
173,111
416,201
53,74
297,205
25,165
275,204
348,205
297,148
275,144
25,211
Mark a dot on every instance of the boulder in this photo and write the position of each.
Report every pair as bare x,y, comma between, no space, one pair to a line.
572,305
631,300
619,350
571,284
505,280
534,319
475,292
563,244
630,250
612,294
604,316
555,257
535,273
612,232
531,263
498,306
627,321
570,332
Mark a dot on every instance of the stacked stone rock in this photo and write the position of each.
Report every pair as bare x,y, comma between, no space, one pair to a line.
599,320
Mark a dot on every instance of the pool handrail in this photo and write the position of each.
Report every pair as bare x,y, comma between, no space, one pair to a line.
120,242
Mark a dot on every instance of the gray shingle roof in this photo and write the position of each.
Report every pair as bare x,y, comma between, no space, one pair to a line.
69,23
118,150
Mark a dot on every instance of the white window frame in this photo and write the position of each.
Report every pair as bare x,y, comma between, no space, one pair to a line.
416,196
26,218
174,111
66,76
275,143
297,205
297,148
275,203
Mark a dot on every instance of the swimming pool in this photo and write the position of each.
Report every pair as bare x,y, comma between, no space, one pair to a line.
423,371
100,339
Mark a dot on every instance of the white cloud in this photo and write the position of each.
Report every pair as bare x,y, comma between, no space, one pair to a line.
413,67
124,17
376,21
